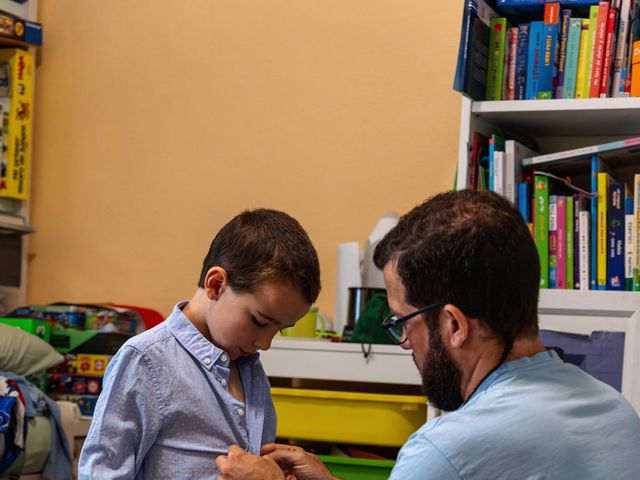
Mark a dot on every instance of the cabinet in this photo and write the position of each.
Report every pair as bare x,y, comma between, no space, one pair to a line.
560,125
14,225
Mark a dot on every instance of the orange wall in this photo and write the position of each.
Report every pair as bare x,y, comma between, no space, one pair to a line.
158,121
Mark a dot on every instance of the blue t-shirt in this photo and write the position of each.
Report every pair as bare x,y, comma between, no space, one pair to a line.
165,410
533,418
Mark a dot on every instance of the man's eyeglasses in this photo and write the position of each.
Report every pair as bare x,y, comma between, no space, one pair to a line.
395,328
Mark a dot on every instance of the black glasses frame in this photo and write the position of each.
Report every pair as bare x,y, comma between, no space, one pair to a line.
392,322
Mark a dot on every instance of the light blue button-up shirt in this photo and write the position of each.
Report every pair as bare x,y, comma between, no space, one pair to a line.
165,410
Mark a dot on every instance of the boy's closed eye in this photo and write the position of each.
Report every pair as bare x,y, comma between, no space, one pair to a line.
257,322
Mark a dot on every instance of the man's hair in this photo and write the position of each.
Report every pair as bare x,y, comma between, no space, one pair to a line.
264,245
473,250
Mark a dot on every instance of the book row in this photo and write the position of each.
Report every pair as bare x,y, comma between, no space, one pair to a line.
582,207
543,50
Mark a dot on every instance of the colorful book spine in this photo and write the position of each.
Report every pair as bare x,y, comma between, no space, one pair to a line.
571,61
541,226
561,242
510,74
583,152
615,237
583,60
584,248
562,52
609,48
619,68
636,232
578,206
598,49
628,243
593,231
521,61
549,62
499,168
634,89
524,201
534,59
16,117
497,42
593,25
570,247
604,180
553,241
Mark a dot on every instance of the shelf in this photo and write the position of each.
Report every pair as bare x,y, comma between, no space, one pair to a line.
14,224
323,360
584,117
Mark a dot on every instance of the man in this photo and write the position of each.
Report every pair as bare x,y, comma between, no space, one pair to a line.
462,275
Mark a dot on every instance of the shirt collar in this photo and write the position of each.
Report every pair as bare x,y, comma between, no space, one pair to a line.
195,343
537,359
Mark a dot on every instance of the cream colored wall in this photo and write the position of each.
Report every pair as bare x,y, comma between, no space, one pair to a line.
157,121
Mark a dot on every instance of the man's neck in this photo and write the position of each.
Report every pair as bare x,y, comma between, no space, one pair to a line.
489,360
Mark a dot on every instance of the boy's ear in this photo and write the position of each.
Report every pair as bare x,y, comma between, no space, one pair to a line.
215,282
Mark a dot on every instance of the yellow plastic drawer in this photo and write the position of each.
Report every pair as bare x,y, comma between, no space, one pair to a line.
348,417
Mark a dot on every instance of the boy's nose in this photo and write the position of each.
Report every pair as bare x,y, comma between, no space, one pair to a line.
264,343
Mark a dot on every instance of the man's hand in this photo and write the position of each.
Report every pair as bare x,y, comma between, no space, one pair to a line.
297,462
240,465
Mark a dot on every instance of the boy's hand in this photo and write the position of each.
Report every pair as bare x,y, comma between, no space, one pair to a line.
240,465
297,462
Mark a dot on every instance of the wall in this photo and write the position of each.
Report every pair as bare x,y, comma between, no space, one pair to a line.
158,121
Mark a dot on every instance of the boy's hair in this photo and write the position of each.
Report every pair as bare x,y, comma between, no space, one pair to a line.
264,245
473,250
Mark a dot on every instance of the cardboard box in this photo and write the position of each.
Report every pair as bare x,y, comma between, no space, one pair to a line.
90,365
36,327
86,403
16,111
87,341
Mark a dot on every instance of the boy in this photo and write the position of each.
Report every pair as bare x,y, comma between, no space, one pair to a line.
176,396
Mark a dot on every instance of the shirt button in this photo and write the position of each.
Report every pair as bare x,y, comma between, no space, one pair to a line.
223,381
223,357
207,361
240,411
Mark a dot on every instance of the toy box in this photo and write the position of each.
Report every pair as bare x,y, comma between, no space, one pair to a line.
63,383
90,365
16,111
86,403
87,341
33,326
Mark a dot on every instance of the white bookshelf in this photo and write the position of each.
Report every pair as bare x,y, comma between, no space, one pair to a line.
558,125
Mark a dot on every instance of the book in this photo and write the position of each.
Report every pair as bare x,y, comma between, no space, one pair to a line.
524,201
600,34
570,247
496,144
568,89
548,63
541,226
621,48
510,74
615,238
561,242
584,248
562,52
583,60
534,59
628,242
609,48
603,150
16,110
521,61
499,167
604,182
553,241
636,233
635,70
497,46
471,67
591,41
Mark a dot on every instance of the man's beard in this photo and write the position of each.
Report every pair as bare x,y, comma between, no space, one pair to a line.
441,377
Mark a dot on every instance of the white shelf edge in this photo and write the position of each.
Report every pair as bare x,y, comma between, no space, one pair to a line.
558,105
591,302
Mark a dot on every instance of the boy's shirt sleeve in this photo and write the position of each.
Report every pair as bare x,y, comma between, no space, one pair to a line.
127,418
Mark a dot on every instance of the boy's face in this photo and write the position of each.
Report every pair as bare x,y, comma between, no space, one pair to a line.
243,323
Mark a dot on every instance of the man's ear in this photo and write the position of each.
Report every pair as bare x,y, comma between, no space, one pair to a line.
456,326
215,282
